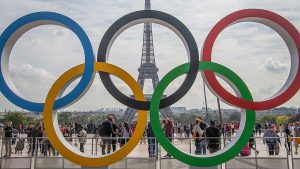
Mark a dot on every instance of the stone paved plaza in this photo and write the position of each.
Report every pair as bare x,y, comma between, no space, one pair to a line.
139,158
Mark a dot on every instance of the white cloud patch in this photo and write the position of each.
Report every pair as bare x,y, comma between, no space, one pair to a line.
274,65
45,53
32,82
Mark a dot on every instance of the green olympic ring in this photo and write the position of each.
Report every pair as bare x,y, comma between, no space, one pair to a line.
229,151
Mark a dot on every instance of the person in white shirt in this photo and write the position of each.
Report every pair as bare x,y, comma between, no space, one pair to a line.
197,133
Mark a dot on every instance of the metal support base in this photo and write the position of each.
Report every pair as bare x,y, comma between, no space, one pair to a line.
106,167
215,167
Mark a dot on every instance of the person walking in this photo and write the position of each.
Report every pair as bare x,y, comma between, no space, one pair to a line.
8,130
270,138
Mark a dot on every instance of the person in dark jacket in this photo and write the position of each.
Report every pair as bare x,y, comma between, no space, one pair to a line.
107,134
213,136
115,134
152,142
36,134
29,137
8,130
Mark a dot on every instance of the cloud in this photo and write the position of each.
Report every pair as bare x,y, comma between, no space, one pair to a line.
274,65
32,82
41,51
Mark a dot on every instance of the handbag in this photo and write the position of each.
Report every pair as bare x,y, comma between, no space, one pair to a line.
75,143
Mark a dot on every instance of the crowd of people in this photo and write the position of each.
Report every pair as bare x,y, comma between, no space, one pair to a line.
109,136
271,138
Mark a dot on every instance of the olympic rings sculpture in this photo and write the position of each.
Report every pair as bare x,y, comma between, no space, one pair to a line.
208,70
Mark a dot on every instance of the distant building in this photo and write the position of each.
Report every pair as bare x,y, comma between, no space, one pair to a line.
178,110
285,111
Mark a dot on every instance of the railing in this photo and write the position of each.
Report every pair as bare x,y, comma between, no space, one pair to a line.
38,153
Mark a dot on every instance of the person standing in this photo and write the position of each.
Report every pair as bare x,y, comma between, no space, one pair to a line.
8,130
258,128
213,136
29,137
82,138
168,128
232,128
288,139
197,133
152,142
280,129
203,127
106,131
36,134
297,137
125,134
114,135
270,138
252,143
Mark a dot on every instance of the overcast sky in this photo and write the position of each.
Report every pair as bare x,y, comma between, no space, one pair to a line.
255,52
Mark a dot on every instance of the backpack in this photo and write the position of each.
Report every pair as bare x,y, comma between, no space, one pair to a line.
20,145
101,130
245,151
82,136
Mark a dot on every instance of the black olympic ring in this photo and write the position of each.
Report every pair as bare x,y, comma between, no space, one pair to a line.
141,17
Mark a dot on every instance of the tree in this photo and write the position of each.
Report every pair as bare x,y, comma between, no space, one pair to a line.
16,118
268,118
295,118
235,116
64,117
29,120
282,119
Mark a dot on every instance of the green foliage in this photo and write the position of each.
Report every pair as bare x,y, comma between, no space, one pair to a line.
185,118
268,118
16,118
282,119
235,116
295,118
64,117
29,120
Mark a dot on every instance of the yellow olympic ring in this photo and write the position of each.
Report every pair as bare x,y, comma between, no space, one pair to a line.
57,139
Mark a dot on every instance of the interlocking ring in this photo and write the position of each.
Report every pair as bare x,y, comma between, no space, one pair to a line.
234,147
14,31
60,143
157,17
243,100
287,32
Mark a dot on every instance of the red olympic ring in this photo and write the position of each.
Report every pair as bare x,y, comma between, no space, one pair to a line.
291,37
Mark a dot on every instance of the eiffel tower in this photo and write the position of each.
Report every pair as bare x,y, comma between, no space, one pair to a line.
147,70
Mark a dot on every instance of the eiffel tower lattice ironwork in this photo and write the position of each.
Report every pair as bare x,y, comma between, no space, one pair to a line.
147,70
